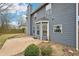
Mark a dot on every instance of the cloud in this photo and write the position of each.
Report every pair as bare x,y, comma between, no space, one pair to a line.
24,17
13,23
12,11
17,7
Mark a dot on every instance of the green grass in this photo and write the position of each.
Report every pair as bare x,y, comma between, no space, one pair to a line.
4,37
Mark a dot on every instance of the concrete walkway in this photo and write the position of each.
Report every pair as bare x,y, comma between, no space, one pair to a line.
17,45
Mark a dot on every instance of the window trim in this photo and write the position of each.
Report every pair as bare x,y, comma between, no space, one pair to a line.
57,25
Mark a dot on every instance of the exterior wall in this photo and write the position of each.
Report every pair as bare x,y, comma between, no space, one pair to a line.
78,8
38,15
33,25
29,21
64,14
41,13
60,13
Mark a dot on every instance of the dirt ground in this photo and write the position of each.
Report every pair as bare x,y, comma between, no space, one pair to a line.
59,50
15,46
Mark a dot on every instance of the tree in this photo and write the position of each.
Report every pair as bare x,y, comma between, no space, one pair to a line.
3,16
4,6
22,21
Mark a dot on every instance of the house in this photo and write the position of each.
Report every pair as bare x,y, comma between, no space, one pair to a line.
55,22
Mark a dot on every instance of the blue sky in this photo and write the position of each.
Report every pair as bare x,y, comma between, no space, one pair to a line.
19,9
35,5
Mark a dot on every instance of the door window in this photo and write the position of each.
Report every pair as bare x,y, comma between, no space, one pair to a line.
44,28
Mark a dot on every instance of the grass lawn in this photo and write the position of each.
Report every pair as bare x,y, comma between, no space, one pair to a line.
4,37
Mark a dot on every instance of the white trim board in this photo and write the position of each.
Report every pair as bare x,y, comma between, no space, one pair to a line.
41,21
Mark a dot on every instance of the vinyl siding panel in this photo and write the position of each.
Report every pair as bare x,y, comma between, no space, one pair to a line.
64,14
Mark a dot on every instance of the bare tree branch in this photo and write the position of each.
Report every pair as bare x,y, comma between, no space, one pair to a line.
3,5
3,17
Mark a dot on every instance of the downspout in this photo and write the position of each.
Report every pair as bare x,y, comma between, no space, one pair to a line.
77,27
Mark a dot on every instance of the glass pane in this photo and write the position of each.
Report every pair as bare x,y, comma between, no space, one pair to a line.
38,28
44,27
57,28
37,32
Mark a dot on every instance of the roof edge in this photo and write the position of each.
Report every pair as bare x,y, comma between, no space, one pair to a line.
39,8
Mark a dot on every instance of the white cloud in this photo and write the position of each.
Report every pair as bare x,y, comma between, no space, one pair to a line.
24,17
17,7
12,11
13,23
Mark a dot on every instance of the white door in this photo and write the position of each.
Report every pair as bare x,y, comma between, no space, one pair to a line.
42,30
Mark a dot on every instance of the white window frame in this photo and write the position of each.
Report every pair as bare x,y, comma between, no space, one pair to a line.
57,25
41,29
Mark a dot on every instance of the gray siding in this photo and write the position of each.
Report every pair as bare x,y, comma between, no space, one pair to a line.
33,25
29,21
40,14
64,14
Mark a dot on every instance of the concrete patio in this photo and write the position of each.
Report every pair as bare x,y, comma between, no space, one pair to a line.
17,45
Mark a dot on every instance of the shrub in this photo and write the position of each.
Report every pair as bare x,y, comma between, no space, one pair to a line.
35,37
46,49
32,50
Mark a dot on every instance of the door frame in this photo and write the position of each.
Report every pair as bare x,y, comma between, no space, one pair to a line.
41,29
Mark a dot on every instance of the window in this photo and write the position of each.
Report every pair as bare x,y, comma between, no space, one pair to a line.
38,28
57,28
37,32
33,30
